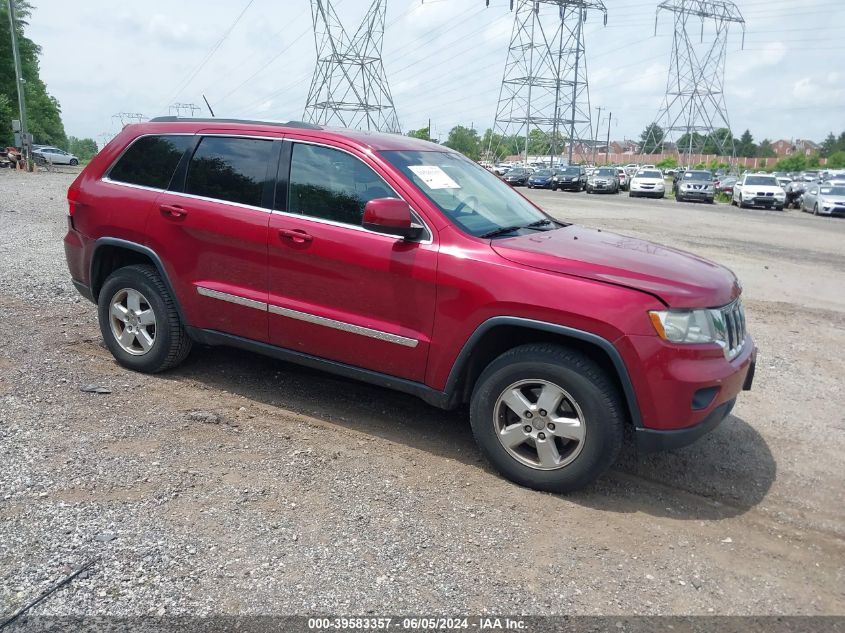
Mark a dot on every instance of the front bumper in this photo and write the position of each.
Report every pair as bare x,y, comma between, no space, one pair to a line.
568,184
653,440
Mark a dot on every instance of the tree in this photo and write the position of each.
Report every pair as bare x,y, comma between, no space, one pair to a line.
765,150
745,145
464,140
43,111
82,148
828,145
423,133
670,162
836,160
651,139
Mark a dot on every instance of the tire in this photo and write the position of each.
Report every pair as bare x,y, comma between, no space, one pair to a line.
554,188
778,207
742,205
152,350
816,209
74,162
587,396
631,194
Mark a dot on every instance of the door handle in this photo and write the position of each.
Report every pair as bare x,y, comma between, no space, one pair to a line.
297,236
172,211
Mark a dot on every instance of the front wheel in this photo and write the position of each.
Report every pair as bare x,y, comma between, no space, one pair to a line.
816,209
139,321
547,417
74,162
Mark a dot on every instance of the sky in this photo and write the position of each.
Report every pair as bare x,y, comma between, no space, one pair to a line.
444,61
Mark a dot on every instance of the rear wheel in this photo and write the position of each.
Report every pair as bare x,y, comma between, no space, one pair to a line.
139,321
547,417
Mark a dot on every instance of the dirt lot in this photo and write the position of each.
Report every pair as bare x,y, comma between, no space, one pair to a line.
238,484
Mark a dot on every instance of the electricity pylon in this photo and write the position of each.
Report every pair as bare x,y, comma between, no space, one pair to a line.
126,118
349,87
544,87
190,108
694,108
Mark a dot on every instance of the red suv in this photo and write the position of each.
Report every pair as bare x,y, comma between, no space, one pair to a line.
404,264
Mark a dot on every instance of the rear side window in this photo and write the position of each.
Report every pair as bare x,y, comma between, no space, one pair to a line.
230,169
330,184
150,161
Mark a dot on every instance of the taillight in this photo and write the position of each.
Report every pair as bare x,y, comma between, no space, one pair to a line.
72,199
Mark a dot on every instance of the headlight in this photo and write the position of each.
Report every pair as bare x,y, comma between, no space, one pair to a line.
689,326
780,194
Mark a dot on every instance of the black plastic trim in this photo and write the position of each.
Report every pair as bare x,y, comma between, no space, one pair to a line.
652,440
424,392
291,124
84,290
144,250
453,382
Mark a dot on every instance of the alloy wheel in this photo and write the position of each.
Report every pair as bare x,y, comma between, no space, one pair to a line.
539,424
133,321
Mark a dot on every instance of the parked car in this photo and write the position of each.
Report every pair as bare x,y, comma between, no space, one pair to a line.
541,179
572,178
725,184
783,181
694,184
56,156
402,263
623,179
517,176
794,191
824,199
603,179
759,190
647,182
501,170
810,176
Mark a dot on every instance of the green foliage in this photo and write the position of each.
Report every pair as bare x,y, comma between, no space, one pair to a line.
43,111
709,144
836,160
651,139
765,150
82,148
423,133
745,145
464,140
667,163
796,162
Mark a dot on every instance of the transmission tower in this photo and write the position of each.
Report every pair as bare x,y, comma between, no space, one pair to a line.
189,108
694,108
349,87
545,87
126,118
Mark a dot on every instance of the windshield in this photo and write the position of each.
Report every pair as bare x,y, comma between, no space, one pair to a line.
470,196
833,191
515,172
570,171
698,175
605,171
763,181
543,173
650,174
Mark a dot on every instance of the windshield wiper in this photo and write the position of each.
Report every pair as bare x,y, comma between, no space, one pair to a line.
501,231
538,223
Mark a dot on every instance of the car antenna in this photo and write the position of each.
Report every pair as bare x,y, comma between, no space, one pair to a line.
207,105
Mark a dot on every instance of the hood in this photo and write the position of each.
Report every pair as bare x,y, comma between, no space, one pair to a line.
831,198
679,279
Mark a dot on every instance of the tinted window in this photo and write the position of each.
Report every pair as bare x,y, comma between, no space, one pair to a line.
231,169
763,181
698,175
606,171
150,161
330,184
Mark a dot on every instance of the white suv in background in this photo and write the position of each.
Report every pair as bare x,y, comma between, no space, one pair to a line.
759,190
56,156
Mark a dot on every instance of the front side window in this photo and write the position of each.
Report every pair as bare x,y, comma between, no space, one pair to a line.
230,168
150,161
468,195
333,185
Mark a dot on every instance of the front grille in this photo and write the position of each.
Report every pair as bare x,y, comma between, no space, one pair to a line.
734,315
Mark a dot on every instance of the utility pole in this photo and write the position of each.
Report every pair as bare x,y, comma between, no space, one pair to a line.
596,137
25,140
607,147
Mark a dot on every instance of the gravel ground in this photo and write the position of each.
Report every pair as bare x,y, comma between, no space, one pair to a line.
238,484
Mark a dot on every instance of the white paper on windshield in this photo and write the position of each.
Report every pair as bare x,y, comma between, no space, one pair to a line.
434,177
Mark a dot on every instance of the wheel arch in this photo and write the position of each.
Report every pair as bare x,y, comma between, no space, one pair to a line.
499,334
111,253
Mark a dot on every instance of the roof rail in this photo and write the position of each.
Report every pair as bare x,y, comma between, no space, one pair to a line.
177,119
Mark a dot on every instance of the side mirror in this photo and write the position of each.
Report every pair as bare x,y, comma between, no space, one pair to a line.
391,216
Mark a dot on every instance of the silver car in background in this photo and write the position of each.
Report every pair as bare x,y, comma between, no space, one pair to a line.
824,199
